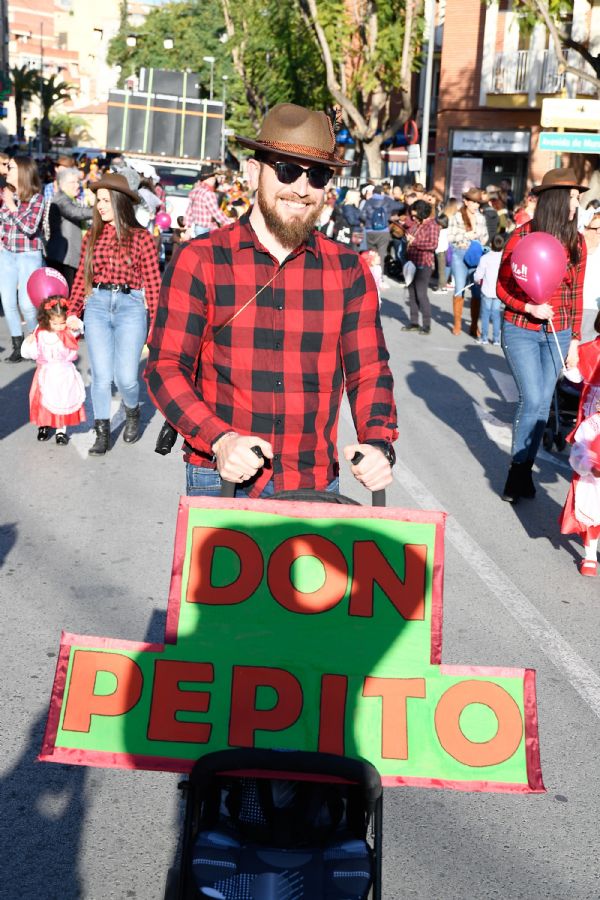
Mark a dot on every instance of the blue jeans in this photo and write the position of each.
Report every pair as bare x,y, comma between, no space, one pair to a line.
534,361
203,482
462,274
490,308
115,332
15,269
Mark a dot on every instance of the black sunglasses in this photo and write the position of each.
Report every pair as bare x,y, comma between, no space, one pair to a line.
289,172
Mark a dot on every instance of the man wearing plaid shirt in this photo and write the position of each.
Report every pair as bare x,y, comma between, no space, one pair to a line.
261,325
203,213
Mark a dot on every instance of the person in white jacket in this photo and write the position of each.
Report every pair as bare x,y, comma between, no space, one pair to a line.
486,274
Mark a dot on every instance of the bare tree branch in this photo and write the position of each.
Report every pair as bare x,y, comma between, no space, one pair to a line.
564,66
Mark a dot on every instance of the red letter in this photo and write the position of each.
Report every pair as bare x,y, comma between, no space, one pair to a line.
478,753
246,719
280,583
334,689
204,543
83,703
394,693
370,567
168,699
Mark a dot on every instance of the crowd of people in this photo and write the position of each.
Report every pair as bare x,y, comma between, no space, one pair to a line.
242,312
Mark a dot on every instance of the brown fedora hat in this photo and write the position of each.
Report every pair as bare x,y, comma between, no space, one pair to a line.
290,130
558,178
472,194
111,182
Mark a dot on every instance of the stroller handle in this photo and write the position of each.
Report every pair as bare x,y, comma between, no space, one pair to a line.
228,487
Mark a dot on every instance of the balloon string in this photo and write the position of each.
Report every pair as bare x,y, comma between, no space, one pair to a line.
562,359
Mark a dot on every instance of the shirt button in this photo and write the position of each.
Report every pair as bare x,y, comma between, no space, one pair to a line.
279,306
278,383
278,423
278,345
277,457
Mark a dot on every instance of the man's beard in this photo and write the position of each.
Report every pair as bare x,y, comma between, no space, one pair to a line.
292,232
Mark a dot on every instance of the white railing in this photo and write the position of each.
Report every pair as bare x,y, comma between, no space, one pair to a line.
552,81
510,72
519,72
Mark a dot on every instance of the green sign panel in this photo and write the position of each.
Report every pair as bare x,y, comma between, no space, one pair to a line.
306,626
570,141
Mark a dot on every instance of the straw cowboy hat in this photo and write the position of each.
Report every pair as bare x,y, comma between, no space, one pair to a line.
111,182
558,178
290,130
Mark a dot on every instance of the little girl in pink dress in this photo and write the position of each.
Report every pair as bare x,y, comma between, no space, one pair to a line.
57,394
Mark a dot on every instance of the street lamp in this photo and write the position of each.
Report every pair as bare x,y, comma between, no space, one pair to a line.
211,61
224,99
132,39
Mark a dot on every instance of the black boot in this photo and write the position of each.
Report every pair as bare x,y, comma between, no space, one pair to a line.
102,429
515,486
131,432
15,356
527,485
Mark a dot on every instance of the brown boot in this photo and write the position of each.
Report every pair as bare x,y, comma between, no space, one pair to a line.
475,307
457,306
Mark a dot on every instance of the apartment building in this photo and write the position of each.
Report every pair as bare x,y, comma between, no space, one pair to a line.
492,81
70,38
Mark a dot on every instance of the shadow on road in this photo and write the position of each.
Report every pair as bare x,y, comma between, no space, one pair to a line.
43,815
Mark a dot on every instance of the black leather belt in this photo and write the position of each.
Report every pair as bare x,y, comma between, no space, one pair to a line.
105,286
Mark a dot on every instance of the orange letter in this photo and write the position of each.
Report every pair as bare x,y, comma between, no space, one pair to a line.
394,693
370,567
246,719
334,689
481,753
168,699
204,543
83,703
336,574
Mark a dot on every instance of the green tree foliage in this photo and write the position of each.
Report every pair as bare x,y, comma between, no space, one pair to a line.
25,82
370,51
50,92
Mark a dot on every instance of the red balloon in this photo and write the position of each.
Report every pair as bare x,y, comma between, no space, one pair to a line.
539,264
163,220
44,283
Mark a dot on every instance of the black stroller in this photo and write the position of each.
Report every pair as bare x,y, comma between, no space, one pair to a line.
272,824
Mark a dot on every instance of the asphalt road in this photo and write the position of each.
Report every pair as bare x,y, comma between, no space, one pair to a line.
86,546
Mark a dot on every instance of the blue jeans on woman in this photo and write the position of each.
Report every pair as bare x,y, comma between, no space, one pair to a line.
463,275
15,269
115,332
535,363
203,482
490,309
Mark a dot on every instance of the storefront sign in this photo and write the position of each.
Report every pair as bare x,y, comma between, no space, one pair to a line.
305,626
566,113
490,141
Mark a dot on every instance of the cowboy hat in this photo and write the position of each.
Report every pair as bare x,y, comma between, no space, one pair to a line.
472,194
110,182
558,178
290,130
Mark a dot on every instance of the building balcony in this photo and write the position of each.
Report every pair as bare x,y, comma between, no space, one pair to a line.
527,75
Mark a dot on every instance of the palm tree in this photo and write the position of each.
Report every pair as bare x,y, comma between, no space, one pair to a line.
25,82
50,92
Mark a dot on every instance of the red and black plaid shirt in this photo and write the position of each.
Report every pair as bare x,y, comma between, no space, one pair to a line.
203,209
21,231
278,369
567,299
421,251
134,264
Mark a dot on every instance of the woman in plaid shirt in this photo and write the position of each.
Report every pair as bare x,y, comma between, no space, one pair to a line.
422,242
118,279
527,339
21,215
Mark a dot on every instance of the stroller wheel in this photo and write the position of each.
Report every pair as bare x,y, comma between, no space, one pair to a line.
560,441
547,439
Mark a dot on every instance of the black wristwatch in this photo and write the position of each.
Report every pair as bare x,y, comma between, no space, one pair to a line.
386,448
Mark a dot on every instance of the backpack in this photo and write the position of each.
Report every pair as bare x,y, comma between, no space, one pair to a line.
379,219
